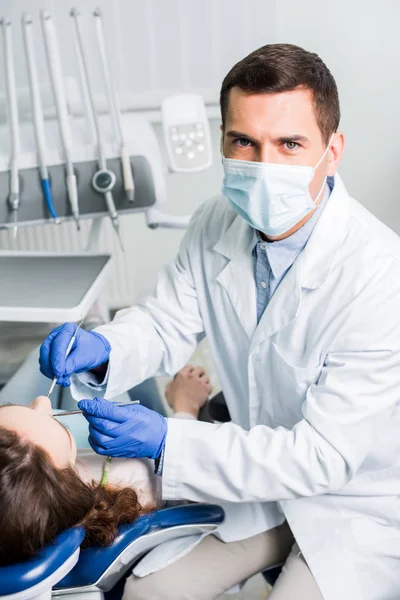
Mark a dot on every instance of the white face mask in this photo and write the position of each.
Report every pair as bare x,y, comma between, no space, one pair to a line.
272,198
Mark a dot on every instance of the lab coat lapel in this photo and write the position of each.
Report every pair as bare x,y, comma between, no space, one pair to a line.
328,234
237,276
311,268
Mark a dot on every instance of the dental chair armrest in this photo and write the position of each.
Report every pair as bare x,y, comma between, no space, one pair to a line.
187,514
46,568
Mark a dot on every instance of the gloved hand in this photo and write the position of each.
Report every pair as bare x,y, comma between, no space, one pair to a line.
90,349
130,431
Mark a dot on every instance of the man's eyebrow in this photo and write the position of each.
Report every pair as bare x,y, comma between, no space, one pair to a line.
237,134
284,139
296,137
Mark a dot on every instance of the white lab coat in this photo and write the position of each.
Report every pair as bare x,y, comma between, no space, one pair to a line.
313,390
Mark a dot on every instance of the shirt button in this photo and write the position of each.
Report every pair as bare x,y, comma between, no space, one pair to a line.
264,285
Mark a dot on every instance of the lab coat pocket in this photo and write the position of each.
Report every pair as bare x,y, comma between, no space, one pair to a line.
288,385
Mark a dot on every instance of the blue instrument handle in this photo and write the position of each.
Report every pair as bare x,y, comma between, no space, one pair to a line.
49,198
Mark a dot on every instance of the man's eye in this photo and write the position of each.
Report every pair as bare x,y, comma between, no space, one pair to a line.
242,142
291,145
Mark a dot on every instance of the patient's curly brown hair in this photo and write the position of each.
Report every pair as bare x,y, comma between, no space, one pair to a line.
38,501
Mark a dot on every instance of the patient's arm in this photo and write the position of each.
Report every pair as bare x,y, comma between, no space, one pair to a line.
188,391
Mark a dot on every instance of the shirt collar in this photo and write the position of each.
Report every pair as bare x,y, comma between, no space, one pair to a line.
282,254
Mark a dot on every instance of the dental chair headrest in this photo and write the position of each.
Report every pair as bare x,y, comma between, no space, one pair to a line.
21,576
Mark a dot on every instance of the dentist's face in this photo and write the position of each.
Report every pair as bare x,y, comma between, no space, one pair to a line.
35,422
279,128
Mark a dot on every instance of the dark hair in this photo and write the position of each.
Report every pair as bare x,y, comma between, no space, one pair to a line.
38,501
279,68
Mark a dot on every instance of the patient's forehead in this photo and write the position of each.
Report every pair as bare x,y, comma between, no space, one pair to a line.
21,416
15,414
42,429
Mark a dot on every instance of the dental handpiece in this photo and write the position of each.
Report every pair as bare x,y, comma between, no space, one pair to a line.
113,104
103,180
54,64
12,109
69,347
37,110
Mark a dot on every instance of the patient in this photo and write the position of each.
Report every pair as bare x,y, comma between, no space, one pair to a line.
47,485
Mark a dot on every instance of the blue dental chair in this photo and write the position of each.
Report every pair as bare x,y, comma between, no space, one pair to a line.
95,573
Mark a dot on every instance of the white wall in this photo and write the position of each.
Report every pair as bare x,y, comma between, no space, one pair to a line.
155,46
359,41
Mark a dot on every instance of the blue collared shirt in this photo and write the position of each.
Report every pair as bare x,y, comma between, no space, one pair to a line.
274,259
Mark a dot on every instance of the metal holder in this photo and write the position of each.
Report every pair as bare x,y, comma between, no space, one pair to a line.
33,209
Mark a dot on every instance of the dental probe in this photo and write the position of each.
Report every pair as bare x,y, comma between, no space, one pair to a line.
71,343
114,106
103,180
12,109
54,63
38,119
77,411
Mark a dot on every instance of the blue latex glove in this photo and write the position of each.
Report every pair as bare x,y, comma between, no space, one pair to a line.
89,350
130,431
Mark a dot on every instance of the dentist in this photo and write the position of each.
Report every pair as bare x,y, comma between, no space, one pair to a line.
297,288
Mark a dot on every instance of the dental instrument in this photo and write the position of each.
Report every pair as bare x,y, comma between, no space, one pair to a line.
78,412
12,109
54,63
71,343
38,119
113,106
103,180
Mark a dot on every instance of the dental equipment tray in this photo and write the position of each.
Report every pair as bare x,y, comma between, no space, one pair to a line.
33,209
50,288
